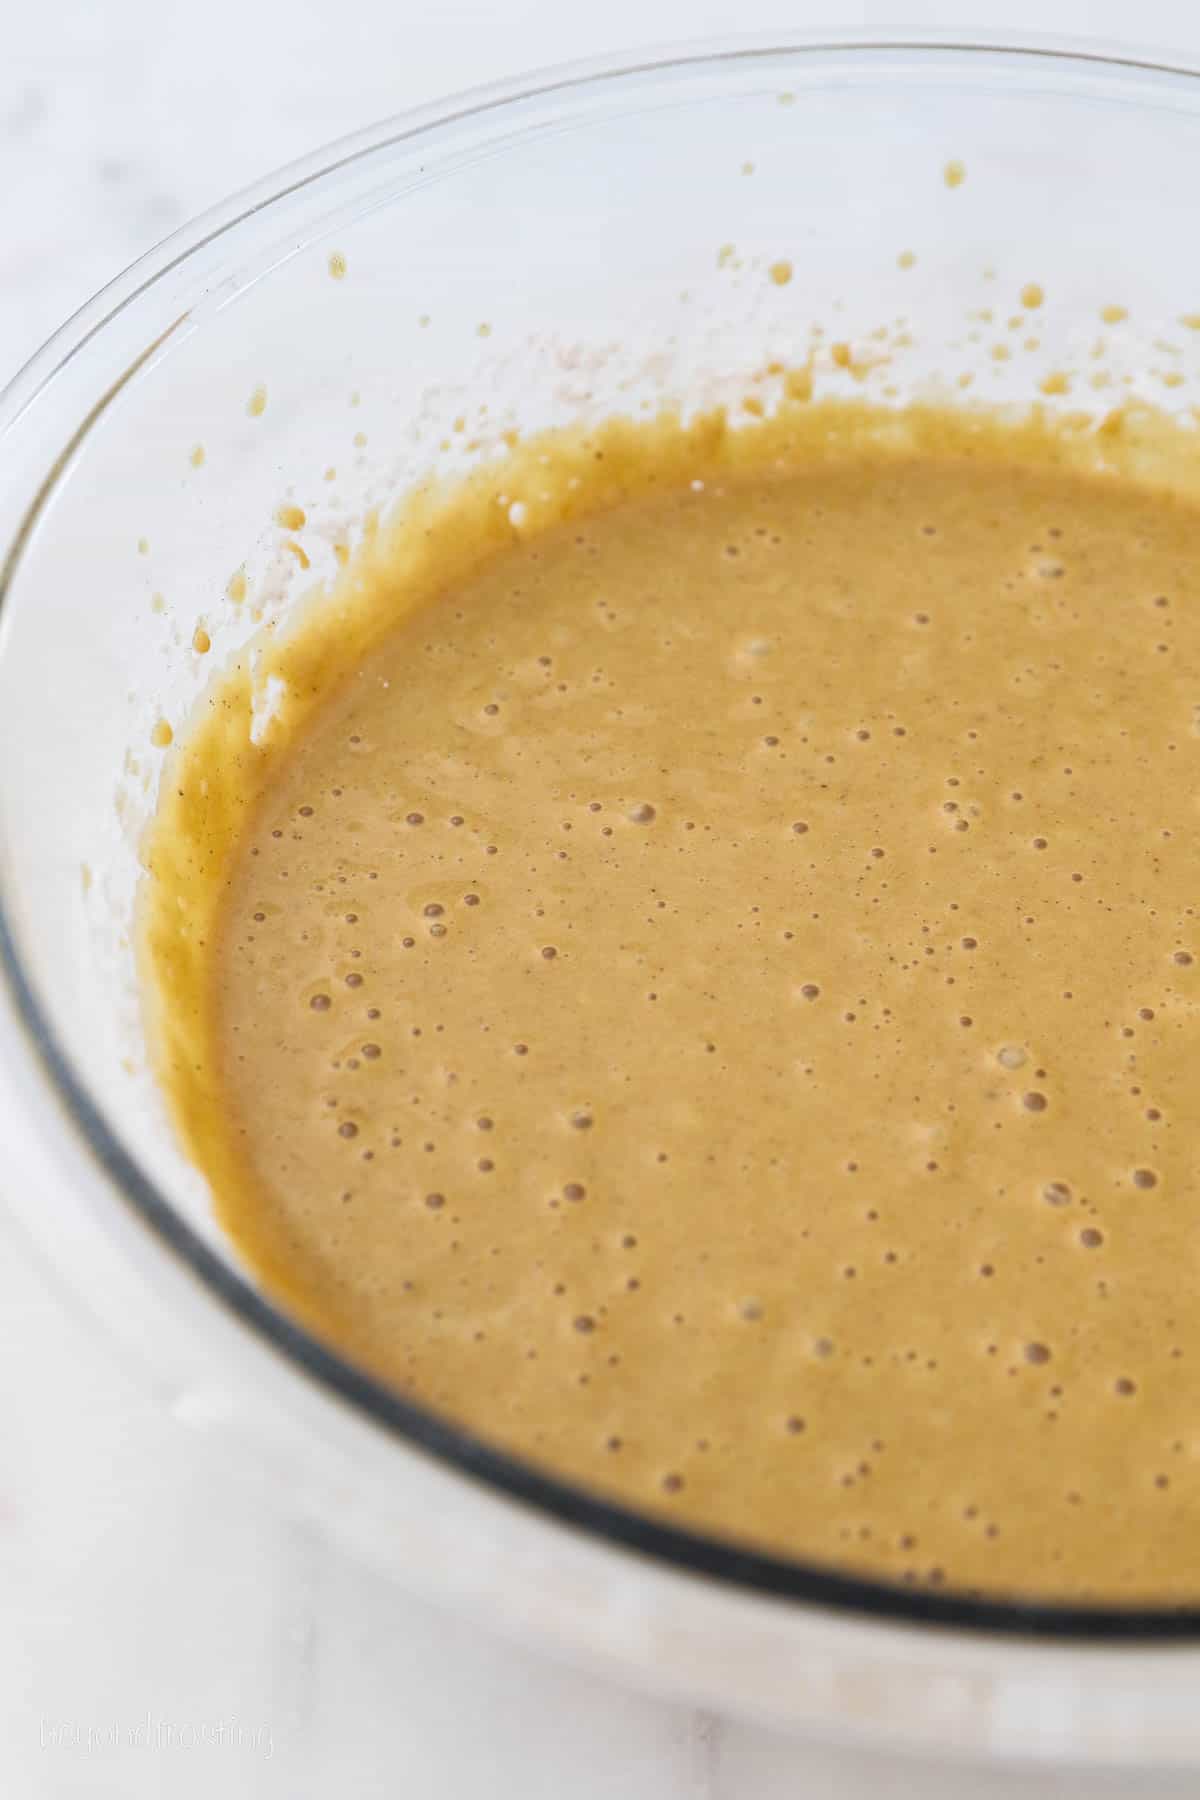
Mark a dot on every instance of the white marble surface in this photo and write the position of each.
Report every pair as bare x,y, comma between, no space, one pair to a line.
143,1595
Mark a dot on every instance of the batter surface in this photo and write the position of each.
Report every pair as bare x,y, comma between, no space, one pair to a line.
712,1002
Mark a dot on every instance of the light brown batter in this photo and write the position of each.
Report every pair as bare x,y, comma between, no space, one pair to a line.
712,1000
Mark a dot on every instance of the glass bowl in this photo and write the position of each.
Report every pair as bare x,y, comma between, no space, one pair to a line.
968,221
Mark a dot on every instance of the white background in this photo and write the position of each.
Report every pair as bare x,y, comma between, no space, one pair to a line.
140,1587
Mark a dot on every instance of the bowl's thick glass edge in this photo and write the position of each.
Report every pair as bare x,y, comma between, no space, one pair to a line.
559,78
689,1552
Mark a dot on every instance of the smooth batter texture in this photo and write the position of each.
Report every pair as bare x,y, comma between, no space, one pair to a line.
712,1002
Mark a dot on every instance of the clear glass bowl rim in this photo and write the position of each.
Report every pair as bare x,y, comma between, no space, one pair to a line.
561,1501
